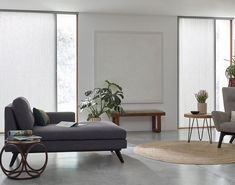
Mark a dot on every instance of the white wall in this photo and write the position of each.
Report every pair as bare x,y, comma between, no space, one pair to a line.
89,23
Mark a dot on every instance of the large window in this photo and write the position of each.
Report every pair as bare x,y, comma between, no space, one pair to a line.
204,46
38,60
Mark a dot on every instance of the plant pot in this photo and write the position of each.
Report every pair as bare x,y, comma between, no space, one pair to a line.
202,108
231,82
95,119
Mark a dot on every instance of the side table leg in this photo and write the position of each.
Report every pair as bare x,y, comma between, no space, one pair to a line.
209,129
13,159
200,138
190,129
203,126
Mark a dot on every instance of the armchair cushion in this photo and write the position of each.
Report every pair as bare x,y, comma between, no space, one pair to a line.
232,115
220,117
23,113
227,127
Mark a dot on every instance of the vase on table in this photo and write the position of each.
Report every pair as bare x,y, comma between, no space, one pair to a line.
202,108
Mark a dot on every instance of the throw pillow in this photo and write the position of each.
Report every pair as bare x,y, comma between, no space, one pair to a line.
41,117
23,113
232,115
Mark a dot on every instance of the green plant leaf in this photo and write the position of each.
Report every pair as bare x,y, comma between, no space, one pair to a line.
103,100
88,93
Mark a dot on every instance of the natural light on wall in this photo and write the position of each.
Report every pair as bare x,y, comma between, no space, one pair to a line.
66,62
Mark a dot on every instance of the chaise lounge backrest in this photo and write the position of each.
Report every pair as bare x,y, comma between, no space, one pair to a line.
10,120
19,116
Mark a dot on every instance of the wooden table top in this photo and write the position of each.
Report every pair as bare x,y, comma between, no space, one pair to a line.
16,142
139,112
190,115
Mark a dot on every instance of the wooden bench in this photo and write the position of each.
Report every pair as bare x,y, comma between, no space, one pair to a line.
132,113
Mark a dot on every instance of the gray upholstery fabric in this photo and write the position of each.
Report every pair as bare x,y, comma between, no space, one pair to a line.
10,122
220,117
80,145
229,98
83,145
90,131
114,138
227,127
56,117
23,113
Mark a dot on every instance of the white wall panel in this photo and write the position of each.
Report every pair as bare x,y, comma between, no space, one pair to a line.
89,24
126,58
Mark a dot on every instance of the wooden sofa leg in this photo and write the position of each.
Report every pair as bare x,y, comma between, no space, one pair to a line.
118,153
13,159
232,138
222,134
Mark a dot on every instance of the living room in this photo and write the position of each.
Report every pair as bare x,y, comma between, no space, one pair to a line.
151,50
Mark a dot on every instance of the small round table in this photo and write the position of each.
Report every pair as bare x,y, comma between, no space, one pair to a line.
23,148
205,118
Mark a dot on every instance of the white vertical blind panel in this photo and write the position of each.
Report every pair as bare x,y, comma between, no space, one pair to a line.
27,60
222,59
196,64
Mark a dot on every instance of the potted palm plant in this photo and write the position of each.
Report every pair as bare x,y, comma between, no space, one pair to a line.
102,101
230,73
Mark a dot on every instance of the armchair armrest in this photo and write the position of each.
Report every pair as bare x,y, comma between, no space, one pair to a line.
56,117
220,117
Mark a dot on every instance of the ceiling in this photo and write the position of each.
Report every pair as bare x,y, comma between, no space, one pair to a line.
212,8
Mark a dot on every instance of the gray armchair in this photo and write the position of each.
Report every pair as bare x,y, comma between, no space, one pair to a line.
222,120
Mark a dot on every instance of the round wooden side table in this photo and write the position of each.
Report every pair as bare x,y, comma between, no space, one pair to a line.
206,124
23,148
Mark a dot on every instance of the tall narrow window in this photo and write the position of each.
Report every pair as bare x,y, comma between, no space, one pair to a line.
66,62
222,59
196,63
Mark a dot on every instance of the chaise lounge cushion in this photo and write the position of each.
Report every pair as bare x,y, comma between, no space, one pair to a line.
90,131
23,113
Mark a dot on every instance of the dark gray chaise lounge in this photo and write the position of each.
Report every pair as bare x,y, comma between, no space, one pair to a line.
99,136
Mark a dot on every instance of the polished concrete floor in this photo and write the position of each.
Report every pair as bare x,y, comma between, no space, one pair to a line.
103,168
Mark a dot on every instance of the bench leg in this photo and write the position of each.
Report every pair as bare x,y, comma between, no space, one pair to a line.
115,119
158,128
13,159
118,153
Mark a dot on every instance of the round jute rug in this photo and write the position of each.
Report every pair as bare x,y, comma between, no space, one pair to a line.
182,152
